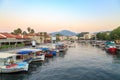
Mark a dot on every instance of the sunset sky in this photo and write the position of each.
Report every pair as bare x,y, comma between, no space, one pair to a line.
56,15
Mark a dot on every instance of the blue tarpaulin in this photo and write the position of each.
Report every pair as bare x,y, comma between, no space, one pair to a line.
24,52
44,49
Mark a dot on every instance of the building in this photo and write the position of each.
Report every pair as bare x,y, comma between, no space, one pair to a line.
11,40
41,37
89,36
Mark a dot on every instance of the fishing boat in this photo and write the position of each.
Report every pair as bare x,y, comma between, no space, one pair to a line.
38,55
10,64
110,47
61,47
47,52
25,55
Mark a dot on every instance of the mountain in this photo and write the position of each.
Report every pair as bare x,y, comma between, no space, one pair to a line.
64,33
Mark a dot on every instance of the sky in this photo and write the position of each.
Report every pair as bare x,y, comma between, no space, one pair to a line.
56,15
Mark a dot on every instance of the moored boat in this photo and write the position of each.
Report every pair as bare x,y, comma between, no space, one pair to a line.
9,63
25,55
110,47
38,55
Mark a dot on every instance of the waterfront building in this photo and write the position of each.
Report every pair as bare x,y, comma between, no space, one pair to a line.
41,37
89,36
8,40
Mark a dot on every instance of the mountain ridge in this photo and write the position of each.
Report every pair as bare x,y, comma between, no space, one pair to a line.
64,33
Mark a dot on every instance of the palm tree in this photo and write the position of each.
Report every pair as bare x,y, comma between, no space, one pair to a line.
32,31
29,29
24,33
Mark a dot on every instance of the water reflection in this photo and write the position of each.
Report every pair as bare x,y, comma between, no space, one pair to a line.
22,75
116,58
14,76
62,54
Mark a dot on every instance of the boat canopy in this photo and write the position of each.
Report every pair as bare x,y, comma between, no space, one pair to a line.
6,55
24,52
44,49
29,49
109,43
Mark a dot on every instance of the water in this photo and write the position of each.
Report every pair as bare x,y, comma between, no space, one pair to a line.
84,62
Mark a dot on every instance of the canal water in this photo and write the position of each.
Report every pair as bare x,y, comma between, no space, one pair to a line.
82,62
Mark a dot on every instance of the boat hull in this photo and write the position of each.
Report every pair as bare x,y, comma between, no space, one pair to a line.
39,58
48,55
21,67
112,50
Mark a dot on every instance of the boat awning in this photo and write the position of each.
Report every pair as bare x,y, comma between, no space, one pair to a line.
24,52
44,49
6,55
30,49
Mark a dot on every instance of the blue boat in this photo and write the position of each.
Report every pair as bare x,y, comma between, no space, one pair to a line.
48,52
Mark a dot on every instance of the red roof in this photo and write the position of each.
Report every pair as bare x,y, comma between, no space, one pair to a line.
35,34
2,37
21,37
26,37
7,35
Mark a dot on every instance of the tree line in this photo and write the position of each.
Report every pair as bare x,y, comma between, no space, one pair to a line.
109,35
20,31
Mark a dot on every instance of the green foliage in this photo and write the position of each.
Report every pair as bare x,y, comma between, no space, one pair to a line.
30,30
79,35
24,33
11,46
115,34
58,37
17,31
103,36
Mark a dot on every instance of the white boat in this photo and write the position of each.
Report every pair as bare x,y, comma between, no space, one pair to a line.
9,63
37,54
25,55
60,47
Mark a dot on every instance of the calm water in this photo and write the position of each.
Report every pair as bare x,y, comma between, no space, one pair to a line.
84,62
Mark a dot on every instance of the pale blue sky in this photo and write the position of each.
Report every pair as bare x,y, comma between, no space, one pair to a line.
76,15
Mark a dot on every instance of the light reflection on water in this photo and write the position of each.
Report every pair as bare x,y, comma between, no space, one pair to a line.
84,62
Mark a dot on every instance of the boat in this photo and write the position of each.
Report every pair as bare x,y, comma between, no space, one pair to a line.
61,47
47,52
25,55
10,64
110,47
38,55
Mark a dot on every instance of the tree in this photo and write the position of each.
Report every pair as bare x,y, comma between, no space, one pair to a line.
17,31
115,34
58,37
79,35
29,29
103,36
24,33
32,31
